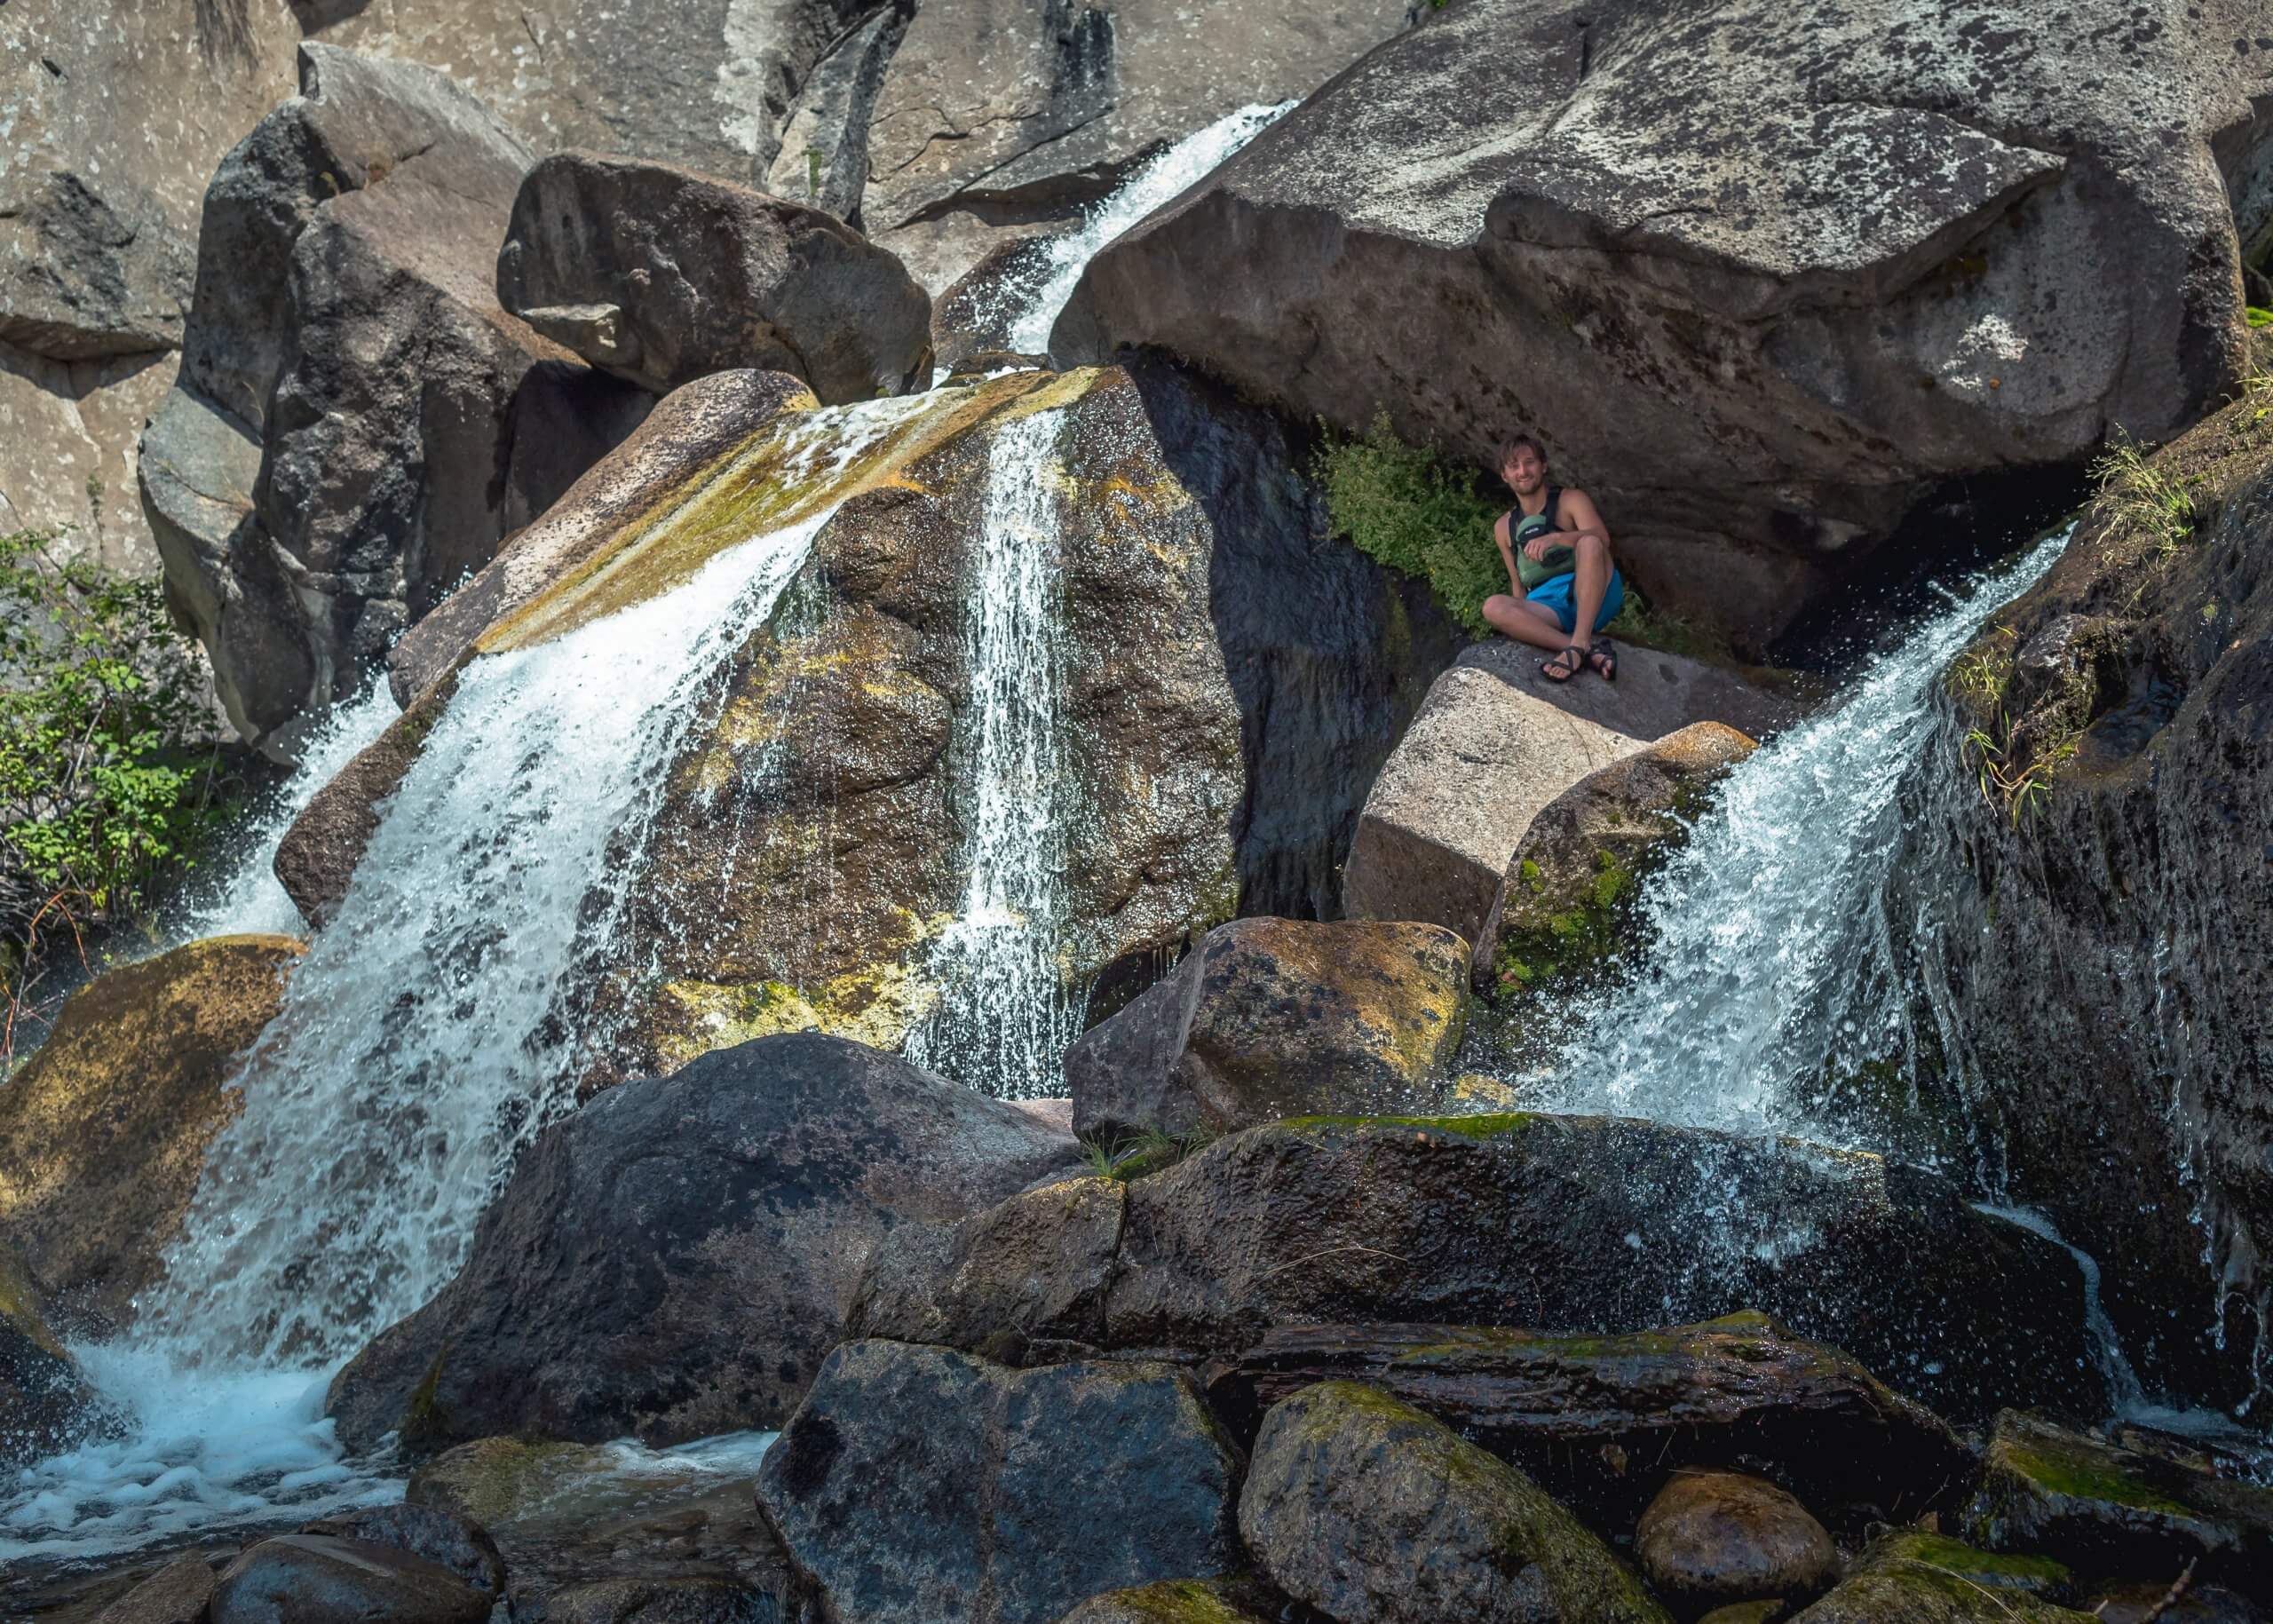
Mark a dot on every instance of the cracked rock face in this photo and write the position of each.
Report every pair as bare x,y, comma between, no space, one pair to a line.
1813,258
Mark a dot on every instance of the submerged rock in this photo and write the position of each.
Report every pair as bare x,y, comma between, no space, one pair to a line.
313,1578
1596,1419
1273,1018
1759,276
1589,1224
1363,1507
2106,1510
915,1485
1721,1536
1911,1579
103,1133
662,276
674,1260
1563,908
2088,915
343,341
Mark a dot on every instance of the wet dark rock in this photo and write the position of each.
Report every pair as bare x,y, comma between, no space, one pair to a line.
178,1593
440,1537
673,1260
1597,1224
1368,1510
2104,1509
691,1599
662,276
2124,828
569,1514
1760,283
915,1485
1273,1018
45,1404
1909,1579
103,1133
311,1578
971,321
2146,1601
1564,913
1594,1419
1721,1536
1034,1269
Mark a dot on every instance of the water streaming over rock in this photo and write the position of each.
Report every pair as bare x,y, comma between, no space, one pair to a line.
1005,1016
436,1024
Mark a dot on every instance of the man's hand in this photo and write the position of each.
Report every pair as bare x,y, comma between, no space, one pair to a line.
1535,549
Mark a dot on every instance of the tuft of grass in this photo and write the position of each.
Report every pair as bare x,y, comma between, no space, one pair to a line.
1136,1154
2144,501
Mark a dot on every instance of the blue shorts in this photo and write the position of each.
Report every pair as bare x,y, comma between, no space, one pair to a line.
1555,595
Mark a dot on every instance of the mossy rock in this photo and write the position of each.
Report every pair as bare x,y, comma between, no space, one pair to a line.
2040,1577
1179,1601
103,1133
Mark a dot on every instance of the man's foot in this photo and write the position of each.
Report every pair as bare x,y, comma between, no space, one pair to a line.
1604,657
1565,665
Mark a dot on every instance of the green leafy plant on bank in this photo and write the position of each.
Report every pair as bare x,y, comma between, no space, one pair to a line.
109,781
1405,506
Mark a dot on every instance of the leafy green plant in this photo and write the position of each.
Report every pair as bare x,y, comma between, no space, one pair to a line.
1405,506
2259,316
109,779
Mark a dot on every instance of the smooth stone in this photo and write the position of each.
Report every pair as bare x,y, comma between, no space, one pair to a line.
178,1593
311,1579
443,1538
1722,1536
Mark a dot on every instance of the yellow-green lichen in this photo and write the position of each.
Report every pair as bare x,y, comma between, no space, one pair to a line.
877,1007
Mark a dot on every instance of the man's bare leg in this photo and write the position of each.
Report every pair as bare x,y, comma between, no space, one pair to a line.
1587,591
1528,622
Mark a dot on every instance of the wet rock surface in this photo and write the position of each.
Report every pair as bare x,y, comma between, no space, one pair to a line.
2124,694
662,275
315,1579
1564,913
432,1534
1181,1601
675,1259
45,1405
1366,1510
915,1484
179,1593
103,1134
1905,1578
1721,1536
2105,1509
1273,1018
1668,243
1596,1419
1586,1222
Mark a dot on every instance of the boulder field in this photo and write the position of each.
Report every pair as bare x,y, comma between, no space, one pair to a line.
1815,259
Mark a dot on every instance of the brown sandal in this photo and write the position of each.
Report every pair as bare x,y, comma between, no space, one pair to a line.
1565,665
1604,657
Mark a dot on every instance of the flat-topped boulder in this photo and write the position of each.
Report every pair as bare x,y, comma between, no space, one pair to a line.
915,1485
662,275
1759,279
1571,1224
1272,1017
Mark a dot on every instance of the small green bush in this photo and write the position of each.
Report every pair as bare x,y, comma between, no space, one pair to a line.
109,778
1407,507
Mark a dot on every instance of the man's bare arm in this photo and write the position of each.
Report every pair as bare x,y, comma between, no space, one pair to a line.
1506,555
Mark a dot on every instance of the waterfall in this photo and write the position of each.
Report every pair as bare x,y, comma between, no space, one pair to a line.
1004,1018
435,1025
1769,967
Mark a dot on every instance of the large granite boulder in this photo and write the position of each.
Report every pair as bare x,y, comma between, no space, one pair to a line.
1579,1225
1564,912
1760,274
344,345
81,278
1598,1418
1273,1018
675,1259
2087,915
103,1133
1494,744
1364,1508
662,276
915,1486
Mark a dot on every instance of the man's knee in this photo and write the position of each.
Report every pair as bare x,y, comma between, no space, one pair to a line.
1592,546
1499,603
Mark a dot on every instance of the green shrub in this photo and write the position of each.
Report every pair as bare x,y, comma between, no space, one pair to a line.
1407,507
109,778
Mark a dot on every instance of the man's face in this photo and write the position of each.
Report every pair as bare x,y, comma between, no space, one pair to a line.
1524,470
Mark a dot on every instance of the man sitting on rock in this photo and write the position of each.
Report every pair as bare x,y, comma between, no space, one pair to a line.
1559,569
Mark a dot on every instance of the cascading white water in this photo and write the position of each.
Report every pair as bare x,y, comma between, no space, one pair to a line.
436,1022
1040,296
1768,954
240,896
1004,1018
